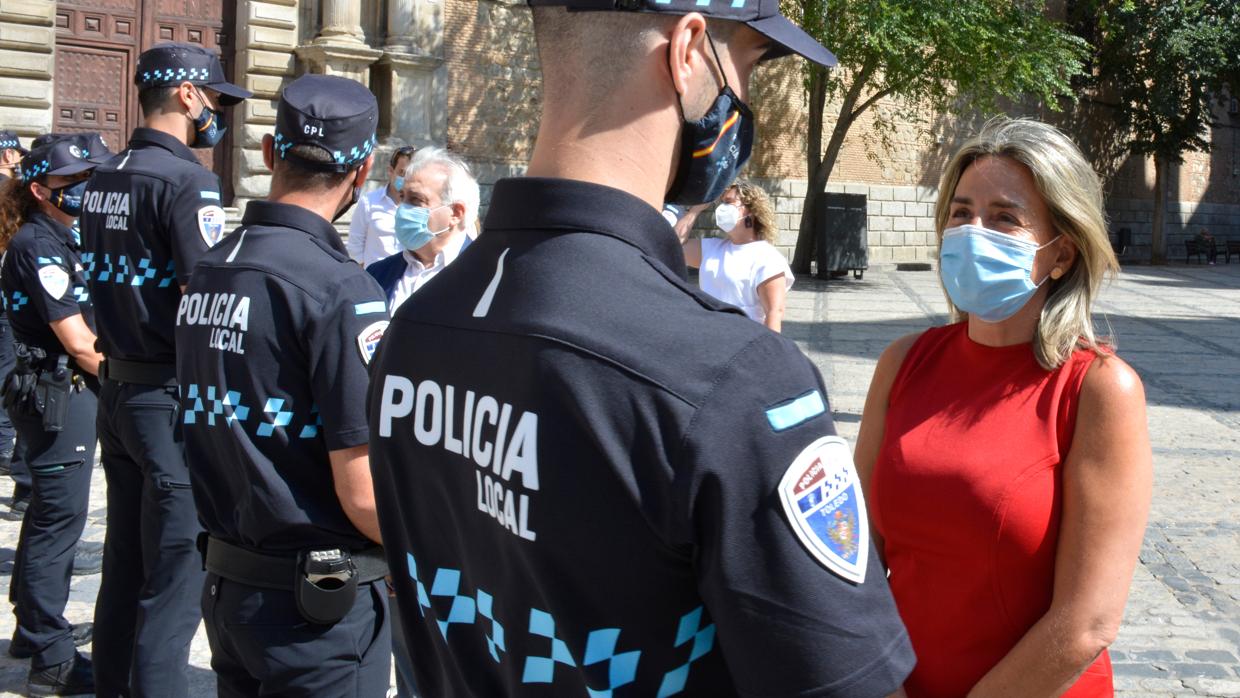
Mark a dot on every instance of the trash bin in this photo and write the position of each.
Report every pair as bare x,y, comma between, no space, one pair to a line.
840,220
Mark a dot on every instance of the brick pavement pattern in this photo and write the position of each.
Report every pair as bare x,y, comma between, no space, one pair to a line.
1178,326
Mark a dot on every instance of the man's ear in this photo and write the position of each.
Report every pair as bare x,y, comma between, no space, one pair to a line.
458,213
186,96
364,171
684,53
269,153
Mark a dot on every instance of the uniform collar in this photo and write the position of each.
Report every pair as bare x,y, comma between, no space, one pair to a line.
60,230
144,135
541,204
276,215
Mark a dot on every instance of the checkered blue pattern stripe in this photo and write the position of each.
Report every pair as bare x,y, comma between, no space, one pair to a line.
601,658
178,75
7,143
690,628
36,170
120,272
212,406
354,156
43,261
18,301
81,293
706,3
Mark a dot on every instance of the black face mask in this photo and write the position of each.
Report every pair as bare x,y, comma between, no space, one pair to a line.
209,127
714,148
68,198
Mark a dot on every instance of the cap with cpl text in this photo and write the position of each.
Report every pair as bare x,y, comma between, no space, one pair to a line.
8,140
762,16
62,156
92,145
170,64
336,114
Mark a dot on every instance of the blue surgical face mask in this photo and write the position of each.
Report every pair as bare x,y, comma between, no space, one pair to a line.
69,198
712,149
412,231
987,273
398,184
209,127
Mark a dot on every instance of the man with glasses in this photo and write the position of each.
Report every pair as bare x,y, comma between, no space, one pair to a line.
372,230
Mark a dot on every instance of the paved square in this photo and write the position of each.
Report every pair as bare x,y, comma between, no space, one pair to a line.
1178,326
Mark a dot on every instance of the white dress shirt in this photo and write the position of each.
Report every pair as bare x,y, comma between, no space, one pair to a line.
417,273
372,232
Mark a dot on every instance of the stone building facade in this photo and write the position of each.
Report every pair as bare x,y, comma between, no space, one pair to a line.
465,73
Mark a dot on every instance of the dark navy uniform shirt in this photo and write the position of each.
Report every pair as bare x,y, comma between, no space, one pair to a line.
576,458
147,217
42,281
274,334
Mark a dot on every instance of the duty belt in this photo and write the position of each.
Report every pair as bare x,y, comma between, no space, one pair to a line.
273,571
140,372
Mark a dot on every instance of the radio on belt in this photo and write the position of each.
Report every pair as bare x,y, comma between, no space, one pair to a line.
326,585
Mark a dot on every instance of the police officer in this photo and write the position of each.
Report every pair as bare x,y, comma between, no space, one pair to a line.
148,216
274,335
591,476
11,462
50,395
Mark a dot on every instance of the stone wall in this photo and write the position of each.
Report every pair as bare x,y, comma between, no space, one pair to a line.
27,35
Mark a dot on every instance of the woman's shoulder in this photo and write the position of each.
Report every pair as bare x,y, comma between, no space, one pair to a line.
1109,380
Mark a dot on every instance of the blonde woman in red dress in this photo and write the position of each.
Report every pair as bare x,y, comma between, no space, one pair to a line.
1006,456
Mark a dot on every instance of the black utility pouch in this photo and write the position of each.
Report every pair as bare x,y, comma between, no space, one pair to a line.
51,396
326,585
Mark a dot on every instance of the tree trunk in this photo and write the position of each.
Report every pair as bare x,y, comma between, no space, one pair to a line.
821,163
1158,238
804,251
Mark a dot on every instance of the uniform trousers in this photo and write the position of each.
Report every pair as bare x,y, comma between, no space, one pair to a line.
60,467
261,646
147,610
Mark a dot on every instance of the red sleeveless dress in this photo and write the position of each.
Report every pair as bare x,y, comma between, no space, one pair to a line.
967,495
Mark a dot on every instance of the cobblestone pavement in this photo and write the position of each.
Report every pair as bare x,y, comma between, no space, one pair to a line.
1178,326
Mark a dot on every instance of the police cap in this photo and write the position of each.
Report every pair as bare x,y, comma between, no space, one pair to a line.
762,16
170,64
93,147
60,156
8,140
335,114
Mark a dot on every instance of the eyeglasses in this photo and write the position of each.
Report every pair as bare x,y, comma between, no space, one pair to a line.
407,151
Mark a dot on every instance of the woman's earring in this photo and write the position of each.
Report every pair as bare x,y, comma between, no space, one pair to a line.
1056,273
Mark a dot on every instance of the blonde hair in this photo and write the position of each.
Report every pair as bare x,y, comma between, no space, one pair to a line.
758,203
1073,193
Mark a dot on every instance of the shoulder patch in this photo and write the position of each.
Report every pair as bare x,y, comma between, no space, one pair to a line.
211,224
821,495
208,194
798,411
368,340
55,280
370,308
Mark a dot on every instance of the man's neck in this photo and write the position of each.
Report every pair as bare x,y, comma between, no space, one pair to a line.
325,205
624,155
174,125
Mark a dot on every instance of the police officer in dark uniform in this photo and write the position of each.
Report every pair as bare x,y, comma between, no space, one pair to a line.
51,397
274,335
11,462
592,477
148,216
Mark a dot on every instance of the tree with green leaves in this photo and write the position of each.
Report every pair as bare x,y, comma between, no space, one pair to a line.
925,55
1165,65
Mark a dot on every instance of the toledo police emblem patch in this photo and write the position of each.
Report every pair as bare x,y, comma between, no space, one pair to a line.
211,224
368,340
821,495
55,280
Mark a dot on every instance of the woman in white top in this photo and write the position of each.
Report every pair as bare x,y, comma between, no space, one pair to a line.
744,269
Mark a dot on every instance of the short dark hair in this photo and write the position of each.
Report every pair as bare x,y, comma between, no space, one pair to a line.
154,99
297,176
407,151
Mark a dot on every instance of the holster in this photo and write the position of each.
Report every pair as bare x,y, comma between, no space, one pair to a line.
51,394
17,391
325,602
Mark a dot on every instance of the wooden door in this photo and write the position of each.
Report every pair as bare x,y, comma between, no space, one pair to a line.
97,42
97,47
